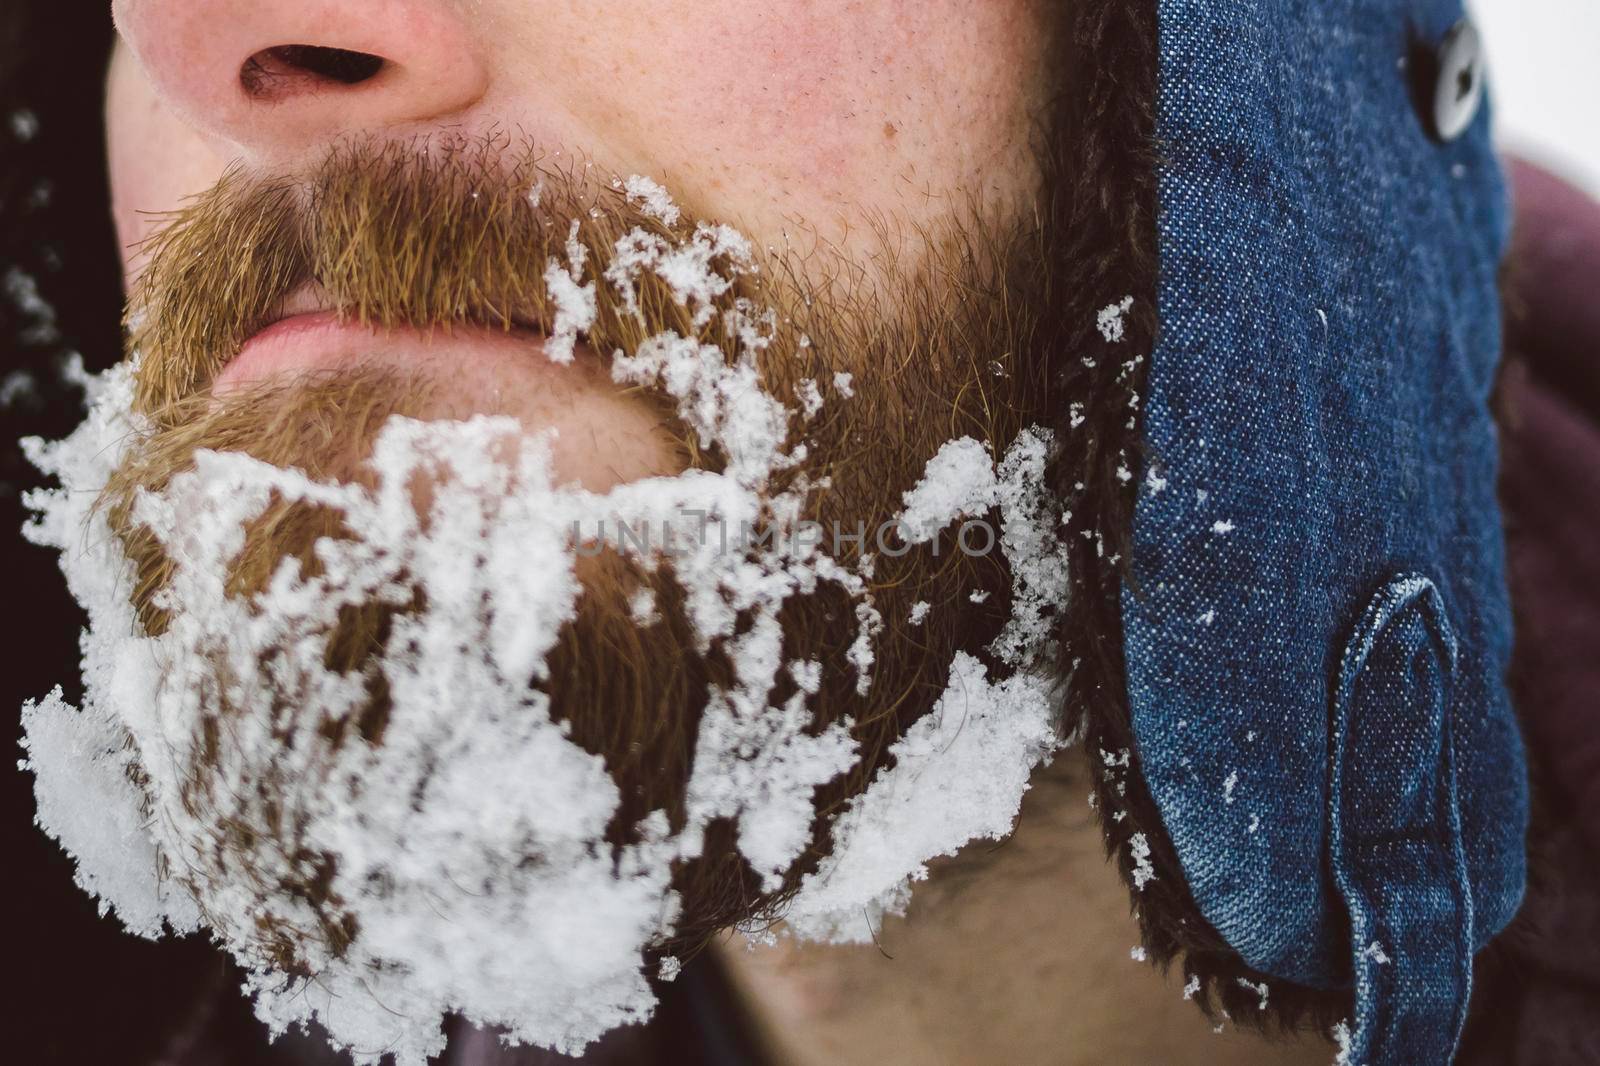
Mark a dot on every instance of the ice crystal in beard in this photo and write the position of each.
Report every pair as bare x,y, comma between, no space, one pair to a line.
467,860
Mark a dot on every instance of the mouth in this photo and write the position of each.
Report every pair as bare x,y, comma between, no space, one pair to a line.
308,335
605,433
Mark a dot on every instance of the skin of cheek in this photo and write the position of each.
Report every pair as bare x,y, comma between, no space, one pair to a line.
155,160
818,114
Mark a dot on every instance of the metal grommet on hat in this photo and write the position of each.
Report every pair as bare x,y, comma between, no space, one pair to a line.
1458,93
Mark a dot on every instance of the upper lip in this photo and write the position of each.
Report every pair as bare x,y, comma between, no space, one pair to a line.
304,300
311,299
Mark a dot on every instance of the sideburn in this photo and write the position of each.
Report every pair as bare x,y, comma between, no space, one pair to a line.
1106,214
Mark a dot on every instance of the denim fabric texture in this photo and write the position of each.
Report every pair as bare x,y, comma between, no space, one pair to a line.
1317,625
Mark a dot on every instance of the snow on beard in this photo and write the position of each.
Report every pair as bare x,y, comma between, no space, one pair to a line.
372,711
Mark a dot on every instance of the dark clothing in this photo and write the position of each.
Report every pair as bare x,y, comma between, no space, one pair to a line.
1551,486
1540,997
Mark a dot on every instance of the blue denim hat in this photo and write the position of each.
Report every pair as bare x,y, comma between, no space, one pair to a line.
1317,624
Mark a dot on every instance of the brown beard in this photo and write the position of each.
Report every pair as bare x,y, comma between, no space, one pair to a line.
954,344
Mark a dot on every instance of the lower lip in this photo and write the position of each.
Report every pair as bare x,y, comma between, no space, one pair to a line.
323,341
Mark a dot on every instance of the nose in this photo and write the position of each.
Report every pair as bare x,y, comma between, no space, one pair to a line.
274,77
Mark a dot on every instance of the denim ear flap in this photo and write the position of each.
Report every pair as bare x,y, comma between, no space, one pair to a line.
1317,625
1395,843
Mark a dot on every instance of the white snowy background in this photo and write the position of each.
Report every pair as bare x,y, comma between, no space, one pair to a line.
1544,64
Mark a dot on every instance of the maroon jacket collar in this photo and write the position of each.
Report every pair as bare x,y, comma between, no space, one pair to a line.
1537,1000
1550,485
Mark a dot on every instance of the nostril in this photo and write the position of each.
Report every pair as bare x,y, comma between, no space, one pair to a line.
286,68
337,64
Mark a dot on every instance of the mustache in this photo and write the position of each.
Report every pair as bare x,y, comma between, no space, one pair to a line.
393,235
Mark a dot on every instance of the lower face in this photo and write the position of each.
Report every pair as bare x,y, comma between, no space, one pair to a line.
864,171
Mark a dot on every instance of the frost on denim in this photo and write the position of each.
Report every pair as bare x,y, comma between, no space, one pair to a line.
1317,622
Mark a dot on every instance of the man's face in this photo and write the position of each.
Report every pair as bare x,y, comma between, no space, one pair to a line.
395,683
